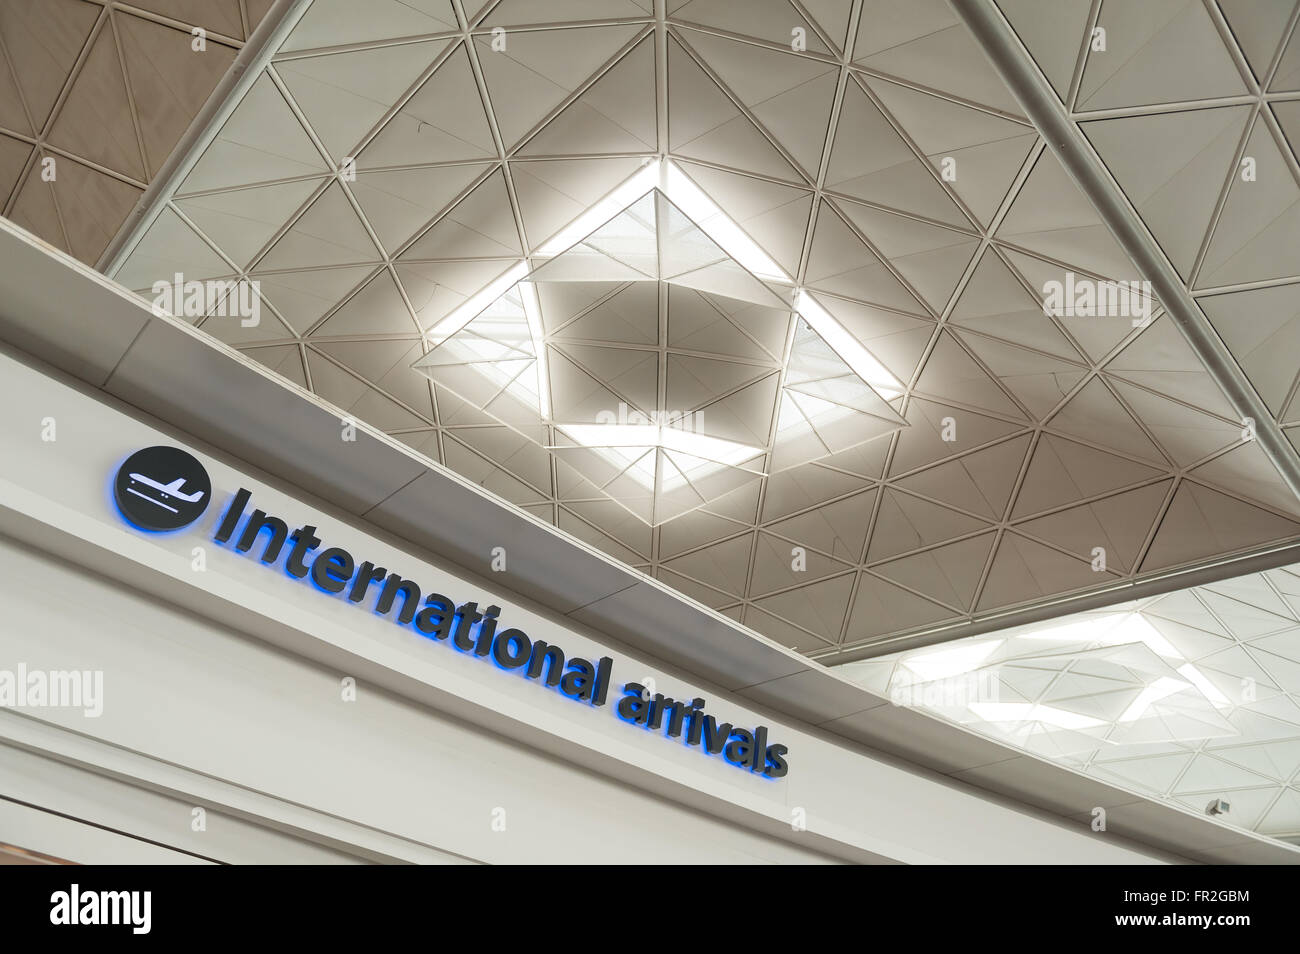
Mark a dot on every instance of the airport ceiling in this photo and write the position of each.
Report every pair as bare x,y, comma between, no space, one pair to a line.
1188,696
872,153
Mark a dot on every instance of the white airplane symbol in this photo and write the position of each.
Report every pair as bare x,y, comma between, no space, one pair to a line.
168,490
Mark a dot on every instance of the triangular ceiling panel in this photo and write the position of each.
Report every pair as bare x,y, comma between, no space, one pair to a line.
328,233
1119,525
343,95
1201,521
262,140
1172,166
1095,415
905,523
242,221
443,121
302,297
704,124
931,48
538,70
870,161
818,607
1159,51
951,374
1063,472
616,114
790,96
881,607
980,482
931,259
481,225
982,152
1261,328
1023,570
43,41
839,263
95,119
948,574
335,22
1260,221
1052,217
154,55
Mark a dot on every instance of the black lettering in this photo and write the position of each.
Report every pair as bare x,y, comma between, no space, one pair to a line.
542,655
436,606
741,747
303,539
512,648
486,628
332,569
369,573
776,766
579,679
258,522
466,616
232,515
410,597
715,736
633,706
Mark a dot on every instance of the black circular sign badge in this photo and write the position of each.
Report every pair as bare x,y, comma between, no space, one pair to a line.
162,488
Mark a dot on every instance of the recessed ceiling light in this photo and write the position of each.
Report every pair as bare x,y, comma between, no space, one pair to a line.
467,310
850,350
1030,712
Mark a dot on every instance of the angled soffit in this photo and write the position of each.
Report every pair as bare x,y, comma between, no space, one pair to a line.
870,150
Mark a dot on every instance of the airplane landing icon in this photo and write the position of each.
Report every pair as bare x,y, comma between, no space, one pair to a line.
167,491
175,500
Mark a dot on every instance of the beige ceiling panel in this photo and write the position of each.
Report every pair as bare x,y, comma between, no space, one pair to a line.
261,141
169,80
96,119
335,22
43,41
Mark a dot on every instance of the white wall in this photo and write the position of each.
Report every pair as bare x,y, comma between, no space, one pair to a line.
195,690
184,691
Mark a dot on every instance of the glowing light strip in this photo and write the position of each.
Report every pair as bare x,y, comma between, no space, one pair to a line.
470,307
624,195
715,223
533,312
850,350
715,449
1030,712
1162,687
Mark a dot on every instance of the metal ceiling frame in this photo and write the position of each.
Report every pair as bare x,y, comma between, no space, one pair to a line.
253,57
1059,130
663,27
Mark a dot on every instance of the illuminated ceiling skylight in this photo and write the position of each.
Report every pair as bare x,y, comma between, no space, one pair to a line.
1061,688
666,362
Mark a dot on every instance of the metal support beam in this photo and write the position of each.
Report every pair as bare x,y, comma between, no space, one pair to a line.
1068,144
1066,141
230,89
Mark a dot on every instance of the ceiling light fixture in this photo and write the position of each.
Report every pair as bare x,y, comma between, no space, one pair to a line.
850,350
1163,687
640,182
1030,712
716,224
472,306
533,313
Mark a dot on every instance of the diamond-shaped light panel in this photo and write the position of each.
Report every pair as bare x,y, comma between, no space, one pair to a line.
664,373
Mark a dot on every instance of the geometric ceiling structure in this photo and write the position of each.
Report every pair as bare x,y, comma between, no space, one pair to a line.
1191,696
649,362
94,97
1206,152
380,173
